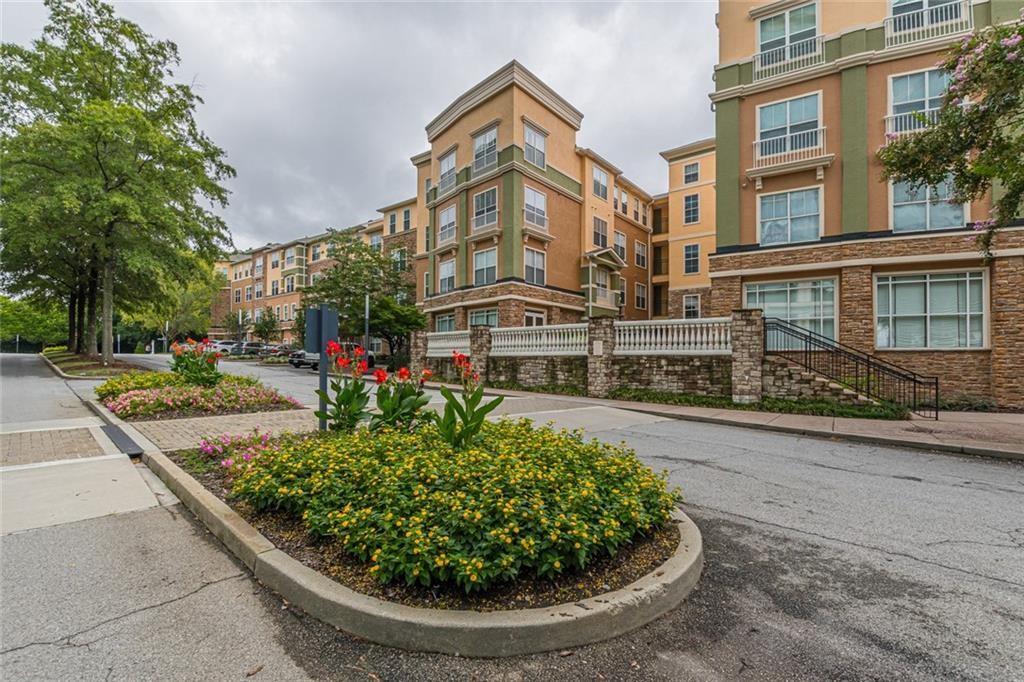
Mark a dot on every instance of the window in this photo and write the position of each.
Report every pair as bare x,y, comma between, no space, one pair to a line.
316,253
406,220
941,310
376,242
916,99
248,293
600,183
534,266
641,254
376,346
426,284
636,209
259,267
392,223
535,318
601,281
691,172
620,244
259,289
293,311
691,259
535,208
444,323
289,284
257,315
691,306
238,295
641,295
643,214
427,184
536,144
788,35
913,14
289,257
398,260
485,149
277,311
809,304
790,217
487,317
316,277
924,208
447,165
624,203
691,209
600,233
446,229
485,209
788,126
446,276
275,259
485,267
621,298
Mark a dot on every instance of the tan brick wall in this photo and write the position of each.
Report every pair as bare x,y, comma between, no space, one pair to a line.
676,299
510,310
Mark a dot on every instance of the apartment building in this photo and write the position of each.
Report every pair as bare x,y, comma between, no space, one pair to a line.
522,226
807,229
684,232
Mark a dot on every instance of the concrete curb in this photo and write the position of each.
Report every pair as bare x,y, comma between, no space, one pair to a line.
59,372
112,419
464,633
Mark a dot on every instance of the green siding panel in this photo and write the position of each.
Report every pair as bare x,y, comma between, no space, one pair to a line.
432,260
727,77
461,232
727,180
854,149
511,225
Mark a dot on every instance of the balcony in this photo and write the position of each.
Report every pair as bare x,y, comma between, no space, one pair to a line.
790,153
911,121
606,298
788,58
928,23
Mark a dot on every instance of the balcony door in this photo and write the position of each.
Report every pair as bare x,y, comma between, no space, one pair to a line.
788,126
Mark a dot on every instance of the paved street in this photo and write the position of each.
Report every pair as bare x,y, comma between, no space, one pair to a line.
824,559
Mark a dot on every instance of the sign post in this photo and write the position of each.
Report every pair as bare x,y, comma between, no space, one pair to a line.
321,327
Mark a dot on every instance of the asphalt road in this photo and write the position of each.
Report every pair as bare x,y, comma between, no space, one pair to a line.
823,560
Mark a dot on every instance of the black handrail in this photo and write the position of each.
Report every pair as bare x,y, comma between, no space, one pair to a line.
864,373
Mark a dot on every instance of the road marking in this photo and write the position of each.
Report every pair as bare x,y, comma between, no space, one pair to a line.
50,425
77,460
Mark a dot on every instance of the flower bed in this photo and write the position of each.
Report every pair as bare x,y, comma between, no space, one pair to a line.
521,504
134,381
170,402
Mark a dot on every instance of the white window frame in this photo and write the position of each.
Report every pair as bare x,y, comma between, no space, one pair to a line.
426,284
536,255
686,172
599,182
786,12
532,213
486,254
892,98
487,313
446,230
965,211
640,296
485,155
603,232
399,259
539,317
686,259
376,242
489,216
790,282
248,293
686,217
289,257
444,323
601,280
615,245
442,278
289,284
392,223
687,298
238,295
259,290
530,149
985,302
819,124
821,214
446,177
406,219
640,254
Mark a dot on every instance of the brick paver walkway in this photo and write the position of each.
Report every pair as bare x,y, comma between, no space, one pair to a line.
179,434
32,447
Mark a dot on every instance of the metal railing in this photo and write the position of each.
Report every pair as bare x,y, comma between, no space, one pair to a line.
788,58
868,375
547,340
936,21
911,121
776,151
441,344
705,336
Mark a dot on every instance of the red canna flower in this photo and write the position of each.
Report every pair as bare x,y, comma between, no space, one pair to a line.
358,352
404,374
333,348
380,376
343,361
361,367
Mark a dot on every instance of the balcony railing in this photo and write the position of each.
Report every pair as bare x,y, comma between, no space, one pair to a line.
606,297
485,221
706,336
441,344
777,151
911,121
535,219
936,21
788,58
555,339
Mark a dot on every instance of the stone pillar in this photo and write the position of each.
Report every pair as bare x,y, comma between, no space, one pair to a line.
1006,331
600,347
417,352
747,355
480,349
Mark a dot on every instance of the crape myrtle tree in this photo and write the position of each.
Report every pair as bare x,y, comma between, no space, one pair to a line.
359,270
978,138
108,184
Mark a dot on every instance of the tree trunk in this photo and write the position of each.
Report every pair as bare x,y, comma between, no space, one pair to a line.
72,318
108,311
80,323
91,347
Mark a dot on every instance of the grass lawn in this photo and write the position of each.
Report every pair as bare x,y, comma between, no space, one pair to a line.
87,366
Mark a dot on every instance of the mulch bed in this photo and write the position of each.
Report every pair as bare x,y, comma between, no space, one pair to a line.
289,535
187,414
84,365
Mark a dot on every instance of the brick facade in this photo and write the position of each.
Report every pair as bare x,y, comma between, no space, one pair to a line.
508,298
747,355
676,299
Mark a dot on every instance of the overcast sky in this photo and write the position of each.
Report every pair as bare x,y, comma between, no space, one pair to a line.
319,105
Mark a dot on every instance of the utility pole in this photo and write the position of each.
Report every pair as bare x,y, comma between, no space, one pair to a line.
366,322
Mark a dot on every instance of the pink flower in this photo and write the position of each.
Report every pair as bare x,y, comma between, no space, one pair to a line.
1012,41
1011,56
227,463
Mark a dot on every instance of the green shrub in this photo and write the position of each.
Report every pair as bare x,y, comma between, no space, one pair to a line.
50,350
140,348
557,389
819,407
964,402
134,381
197,362
228,398
522,501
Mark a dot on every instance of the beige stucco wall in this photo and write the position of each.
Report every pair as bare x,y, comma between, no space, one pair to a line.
561,141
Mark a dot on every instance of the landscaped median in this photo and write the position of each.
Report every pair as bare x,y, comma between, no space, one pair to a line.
445,532
70,365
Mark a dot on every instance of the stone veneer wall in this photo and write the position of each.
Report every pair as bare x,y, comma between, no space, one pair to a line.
696,374
538,371
783,379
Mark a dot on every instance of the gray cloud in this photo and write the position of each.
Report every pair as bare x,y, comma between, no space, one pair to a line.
320,105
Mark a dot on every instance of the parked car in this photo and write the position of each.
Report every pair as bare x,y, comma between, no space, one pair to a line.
252,348
277,350
223,346
297,359
236,348
312,360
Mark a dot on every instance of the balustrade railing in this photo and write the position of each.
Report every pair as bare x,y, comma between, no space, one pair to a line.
788,58
704,336
800,146
911,121
547,340
441,344
937,21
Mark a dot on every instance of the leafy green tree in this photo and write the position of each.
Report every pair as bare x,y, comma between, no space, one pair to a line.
235,325
32,321
267,328
101,151
184,309
299,327
978,138
393,322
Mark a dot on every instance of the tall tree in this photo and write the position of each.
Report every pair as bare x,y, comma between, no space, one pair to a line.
41,322
267,328
184,309
977,141
235,324
101,149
